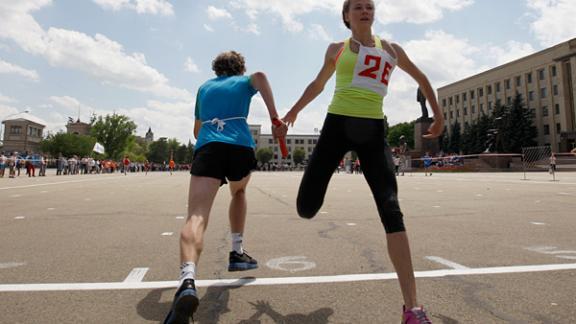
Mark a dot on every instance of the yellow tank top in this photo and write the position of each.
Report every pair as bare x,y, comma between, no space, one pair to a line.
355,101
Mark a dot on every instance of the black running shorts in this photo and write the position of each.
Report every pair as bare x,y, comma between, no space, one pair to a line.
223,161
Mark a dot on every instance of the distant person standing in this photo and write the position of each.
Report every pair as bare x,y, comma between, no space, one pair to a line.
427,164
126,164
146,166
552,163
171,165
3,160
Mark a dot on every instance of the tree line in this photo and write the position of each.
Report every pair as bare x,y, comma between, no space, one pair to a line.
116,133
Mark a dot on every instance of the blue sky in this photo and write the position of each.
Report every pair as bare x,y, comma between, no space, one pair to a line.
146,58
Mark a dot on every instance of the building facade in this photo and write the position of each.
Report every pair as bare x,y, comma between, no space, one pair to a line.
544,79
293,142
77,127
23,133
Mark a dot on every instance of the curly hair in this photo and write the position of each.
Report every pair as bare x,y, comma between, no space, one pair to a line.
229,64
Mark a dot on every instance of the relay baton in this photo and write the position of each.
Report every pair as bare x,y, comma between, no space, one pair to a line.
281,140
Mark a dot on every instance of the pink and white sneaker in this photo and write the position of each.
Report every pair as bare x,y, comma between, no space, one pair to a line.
416,315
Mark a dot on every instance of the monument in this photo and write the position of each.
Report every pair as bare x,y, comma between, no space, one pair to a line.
422,145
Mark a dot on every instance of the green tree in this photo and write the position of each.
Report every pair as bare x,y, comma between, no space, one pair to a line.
136,150
180,154
394,133
189,152
114,132
264,155
158,151
68,145
455,138
515,127
298,156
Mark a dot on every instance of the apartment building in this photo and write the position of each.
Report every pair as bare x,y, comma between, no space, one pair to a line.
544,79
293,142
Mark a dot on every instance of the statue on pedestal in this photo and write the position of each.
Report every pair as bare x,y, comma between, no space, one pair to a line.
422,100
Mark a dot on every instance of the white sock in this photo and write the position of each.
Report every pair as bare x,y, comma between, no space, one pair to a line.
237,242
187,271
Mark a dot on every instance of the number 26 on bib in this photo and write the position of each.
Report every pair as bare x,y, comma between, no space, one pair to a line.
373,69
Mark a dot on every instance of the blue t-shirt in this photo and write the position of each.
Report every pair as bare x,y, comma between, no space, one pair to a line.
225,97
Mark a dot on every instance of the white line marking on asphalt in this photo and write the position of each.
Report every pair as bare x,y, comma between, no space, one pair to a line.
15,196
537,223
19,217
56,183
284,280
7,265
50,208
179,217
435,206
537,201
351,224
136,275
167,233
565,194
323,212
569,257
479,195
440,191
447,263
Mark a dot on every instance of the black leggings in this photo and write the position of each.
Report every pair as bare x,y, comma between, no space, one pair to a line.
367,138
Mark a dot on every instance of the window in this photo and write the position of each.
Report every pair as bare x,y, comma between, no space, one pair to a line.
444,102
557,109
309,149
518,81
553,70
315,141
309,142
530,95
451,101
529,78
288,141
15,130
480,92
544,111
542,93
541,75
546,130
457,98
497,86
482,107
555,89
457,112
270,141
489,105
508,100
465,111
489,89
473,108
471,95
275,148
445,116
507,84
558,128
451,114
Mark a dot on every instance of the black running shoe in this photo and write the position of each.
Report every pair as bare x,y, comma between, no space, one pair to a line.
241,262
184,305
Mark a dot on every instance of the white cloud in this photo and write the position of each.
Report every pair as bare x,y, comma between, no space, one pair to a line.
70,103
513,50
6,99
190,66
288,10
318,32
252,28
154,7
6,111
97,56
554,21
208,28
6,67
216,13
416,11
387,11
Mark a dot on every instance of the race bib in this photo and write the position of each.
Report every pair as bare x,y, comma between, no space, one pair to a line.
373,69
